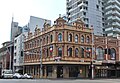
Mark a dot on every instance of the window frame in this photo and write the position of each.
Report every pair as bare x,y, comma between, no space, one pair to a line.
60,37
76,38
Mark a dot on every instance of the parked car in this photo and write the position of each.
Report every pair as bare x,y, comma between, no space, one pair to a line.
27,76
7,73
17,76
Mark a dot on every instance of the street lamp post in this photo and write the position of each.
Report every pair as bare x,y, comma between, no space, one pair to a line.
41,72
92,66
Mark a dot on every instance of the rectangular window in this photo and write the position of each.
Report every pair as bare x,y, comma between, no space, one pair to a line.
97,6
14,60
84,13
15,41
15,47
15,54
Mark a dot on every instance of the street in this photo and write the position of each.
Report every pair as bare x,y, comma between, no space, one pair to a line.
59,81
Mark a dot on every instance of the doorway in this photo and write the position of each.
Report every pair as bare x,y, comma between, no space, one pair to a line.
59,71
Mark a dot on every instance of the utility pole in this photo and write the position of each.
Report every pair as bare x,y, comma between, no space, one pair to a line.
10,53
106,55
41,72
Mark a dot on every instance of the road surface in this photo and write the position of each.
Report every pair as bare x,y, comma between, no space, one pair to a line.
59,81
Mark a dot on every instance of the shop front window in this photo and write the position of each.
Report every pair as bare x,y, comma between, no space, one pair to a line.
49,71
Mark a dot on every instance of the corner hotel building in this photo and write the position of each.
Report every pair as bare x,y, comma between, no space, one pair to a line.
66,51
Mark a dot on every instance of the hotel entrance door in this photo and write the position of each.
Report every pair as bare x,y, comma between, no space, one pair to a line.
59,71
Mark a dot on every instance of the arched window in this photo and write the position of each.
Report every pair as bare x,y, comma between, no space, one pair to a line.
41,42
99,53
60,52
112,54
51,50
88,39
44,41
38,42
76,52
51,38
59,37
47,52
76,38
82,52
70,52
33,44
82,39
70,37
88,52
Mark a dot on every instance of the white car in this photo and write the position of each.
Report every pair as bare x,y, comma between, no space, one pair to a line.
17,76
7,73
28,76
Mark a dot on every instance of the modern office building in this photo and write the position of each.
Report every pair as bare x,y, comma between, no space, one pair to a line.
90,11
37,21
112,17
102,14
15,30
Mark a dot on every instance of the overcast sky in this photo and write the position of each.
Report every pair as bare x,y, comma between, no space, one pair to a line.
21,10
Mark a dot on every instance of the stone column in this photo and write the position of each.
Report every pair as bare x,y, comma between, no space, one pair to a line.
65,36
65,50
45,74
65,72
54,72
54,50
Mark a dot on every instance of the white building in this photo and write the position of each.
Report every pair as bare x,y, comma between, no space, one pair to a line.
18,53
90,11
112,17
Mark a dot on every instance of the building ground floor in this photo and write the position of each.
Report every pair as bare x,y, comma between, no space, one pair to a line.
59,71
106,70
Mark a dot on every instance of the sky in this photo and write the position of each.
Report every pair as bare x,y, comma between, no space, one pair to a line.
21,10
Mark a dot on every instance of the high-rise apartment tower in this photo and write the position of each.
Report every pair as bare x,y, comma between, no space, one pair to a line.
90,12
